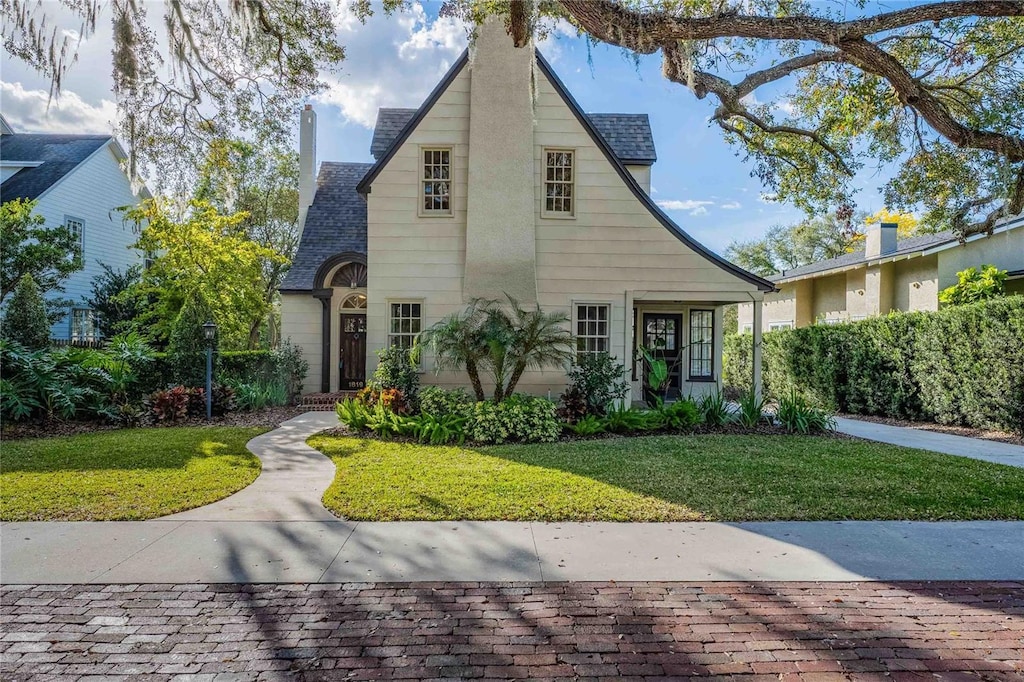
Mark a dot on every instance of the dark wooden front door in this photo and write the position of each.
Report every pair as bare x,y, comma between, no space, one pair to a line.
352,359
663,338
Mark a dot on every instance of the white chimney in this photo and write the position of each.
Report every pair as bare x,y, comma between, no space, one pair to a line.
307,162
880,240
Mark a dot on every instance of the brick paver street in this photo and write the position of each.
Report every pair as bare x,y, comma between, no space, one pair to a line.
769,631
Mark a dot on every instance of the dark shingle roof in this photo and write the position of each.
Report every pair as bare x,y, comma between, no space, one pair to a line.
903,246
60,154
335,222
629,135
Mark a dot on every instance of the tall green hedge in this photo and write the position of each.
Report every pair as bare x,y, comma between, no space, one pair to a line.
960,365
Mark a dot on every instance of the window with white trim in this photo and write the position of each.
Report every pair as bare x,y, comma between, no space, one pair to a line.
559,182
77,227
702,343
747,329
593,329
435,183
776,326
405,320
83,325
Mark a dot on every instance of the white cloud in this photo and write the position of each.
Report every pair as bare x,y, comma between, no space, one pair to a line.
700,210
32,111
549,45
391,61
682,204
731,205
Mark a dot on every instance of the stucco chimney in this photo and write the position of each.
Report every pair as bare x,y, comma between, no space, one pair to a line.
501,252
307,162
880,240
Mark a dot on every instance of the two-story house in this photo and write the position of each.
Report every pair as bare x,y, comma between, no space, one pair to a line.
500,184
77,181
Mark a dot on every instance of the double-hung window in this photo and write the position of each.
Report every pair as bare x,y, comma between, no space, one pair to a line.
559,183
405,322
592,329
83,325
436,181
77,228
779,326
702,343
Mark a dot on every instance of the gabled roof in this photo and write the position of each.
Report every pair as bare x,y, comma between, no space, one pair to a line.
335,223
59,154
629,135
916,245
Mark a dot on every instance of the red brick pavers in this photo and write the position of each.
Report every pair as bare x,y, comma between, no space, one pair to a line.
750,631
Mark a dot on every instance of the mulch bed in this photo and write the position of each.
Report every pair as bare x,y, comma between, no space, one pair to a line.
270,417
984,434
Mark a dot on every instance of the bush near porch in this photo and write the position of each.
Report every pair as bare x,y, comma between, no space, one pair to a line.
960,365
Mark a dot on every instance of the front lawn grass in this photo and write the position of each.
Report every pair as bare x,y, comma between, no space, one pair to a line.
122,475
665,478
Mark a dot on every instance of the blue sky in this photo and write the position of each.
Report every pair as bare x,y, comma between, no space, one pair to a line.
396,61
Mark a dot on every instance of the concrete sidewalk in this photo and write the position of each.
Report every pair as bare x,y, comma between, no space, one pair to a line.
975,448
167,551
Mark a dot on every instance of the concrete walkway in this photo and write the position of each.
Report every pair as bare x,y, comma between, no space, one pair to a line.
166,551
291,483
975,448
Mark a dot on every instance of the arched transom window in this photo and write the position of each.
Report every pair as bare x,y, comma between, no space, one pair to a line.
351,275
354,302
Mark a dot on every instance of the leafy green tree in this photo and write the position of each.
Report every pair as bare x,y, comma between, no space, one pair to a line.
975,285
783,248
29,247
114,299
187,344
25,320
207,256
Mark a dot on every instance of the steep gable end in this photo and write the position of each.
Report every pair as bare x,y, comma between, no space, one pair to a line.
57,155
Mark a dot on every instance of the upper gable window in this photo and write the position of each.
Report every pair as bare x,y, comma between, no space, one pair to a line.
77,228
435,185
559,182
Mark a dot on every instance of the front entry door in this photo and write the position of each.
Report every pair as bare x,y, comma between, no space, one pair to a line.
352,359
663,338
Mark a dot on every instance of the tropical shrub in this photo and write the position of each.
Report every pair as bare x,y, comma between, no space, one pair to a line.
170,405
437,430
681,415
590,425
396,369
386,423
284,366
257,395
441,402
751,412
597,381
797,415
622,419
353,413
519,418
714,409
974,285
25,320
394,400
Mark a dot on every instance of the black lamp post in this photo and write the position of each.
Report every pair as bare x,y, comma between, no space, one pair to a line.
209,333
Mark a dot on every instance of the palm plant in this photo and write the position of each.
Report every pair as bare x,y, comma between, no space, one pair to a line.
457,343
539,340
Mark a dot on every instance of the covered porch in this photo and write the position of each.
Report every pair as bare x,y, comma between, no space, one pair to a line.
685,330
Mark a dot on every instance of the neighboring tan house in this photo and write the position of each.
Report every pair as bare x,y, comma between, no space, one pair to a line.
887,275
499,184
77,181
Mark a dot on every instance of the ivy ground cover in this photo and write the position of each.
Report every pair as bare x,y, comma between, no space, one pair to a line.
128,474
664,478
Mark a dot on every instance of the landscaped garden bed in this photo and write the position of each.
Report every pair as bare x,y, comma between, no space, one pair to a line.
127,474
712,477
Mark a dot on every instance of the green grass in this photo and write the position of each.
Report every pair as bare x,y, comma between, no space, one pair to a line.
665,478
120,475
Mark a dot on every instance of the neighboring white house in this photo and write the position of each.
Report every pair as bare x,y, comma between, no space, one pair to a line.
500,184
77,181
889,274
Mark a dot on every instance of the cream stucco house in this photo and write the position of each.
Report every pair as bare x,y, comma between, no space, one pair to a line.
887,275
499,184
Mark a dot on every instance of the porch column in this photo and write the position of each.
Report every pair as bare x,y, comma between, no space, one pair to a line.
756,357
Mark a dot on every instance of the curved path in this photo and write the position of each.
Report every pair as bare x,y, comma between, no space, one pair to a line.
291,483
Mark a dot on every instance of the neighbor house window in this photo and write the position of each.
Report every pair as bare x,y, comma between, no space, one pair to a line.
436,181
559,179
77,227
406,320
776,326
83,325
747,328
592,329
702,338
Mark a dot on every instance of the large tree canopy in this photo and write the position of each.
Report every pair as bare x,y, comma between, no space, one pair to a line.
809,92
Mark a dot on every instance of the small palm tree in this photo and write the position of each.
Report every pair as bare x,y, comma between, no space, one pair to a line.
456,342
540,340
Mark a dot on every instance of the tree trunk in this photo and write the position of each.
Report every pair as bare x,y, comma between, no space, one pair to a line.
474,379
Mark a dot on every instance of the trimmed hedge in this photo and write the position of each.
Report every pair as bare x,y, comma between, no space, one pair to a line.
960,365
